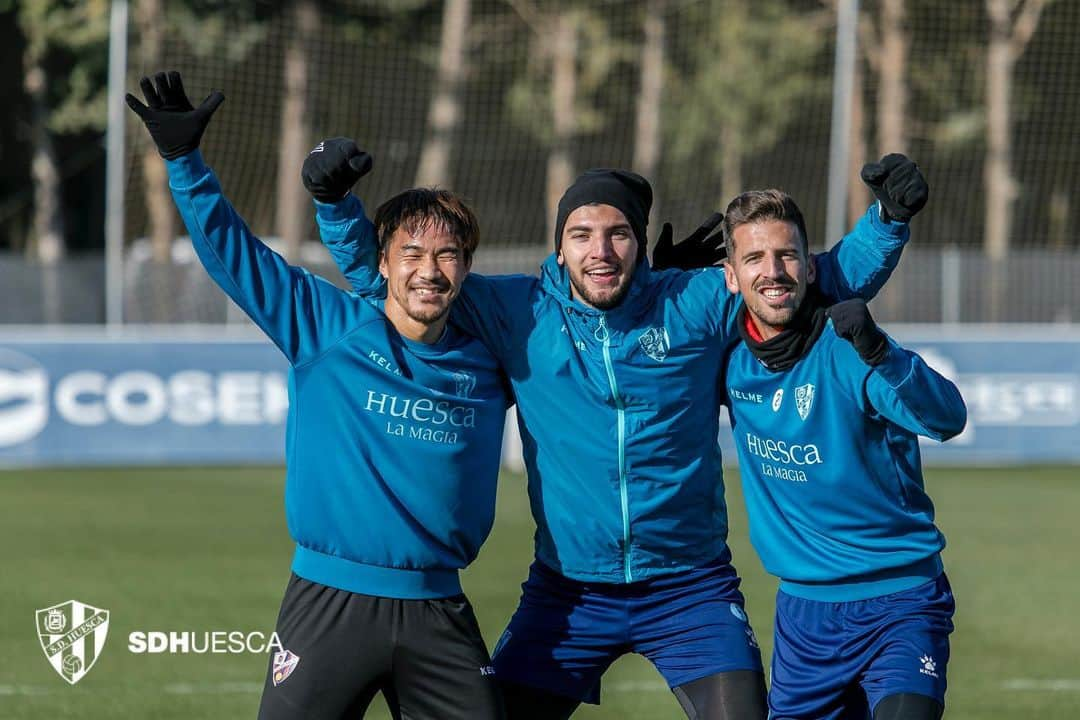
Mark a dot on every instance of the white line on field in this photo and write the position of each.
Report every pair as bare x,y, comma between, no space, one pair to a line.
1051,684
24,690
225,688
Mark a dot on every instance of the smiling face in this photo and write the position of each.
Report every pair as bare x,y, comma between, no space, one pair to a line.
598,251
423,272
768,264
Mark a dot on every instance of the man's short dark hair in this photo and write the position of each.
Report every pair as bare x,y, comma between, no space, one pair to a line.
418,209
756,206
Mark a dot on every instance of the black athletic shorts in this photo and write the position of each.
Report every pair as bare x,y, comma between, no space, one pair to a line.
427,657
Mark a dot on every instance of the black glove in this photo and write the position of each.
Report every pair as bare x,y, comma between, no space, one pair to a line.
898,185
174,125
851,320
699,250
333,167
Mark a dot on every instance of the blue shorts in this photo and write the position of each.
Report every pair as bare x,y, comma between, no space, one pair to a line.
836,660
566,633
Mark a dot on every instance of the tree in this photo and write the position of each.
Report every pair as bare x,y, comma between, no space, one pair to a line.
886,45
1012,24
552,100
295,142
73,36
648,135
445,112
210,30
151,23
749,71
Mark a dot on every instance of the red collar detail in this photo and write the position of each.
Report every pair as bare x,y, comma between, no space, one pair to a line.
751,329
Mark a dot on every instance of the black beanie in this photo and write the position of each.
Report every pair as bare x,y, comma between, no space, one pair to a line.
621,189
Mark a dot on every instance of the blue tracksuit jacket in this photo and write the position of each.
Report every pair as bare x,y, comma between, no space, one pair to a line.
619,410
830,467
392,446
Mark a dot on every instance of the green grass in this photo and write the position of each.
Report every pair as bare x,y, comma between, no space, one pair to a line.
206,549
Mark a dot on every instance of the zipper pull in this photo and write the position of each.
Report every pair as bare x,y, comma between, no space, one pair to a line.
601,332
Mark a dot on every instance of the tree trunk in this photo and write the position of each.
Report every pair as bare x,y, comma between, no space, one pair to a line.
1058,237
47,239
647,134
292,201
997,173
893,90
150,19
47,243
730,163
560,168
444,115
999,183
858,195
159,283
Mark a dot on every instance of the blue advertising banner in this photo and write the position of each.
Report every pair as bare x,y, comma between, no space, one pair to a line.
78,399
172,396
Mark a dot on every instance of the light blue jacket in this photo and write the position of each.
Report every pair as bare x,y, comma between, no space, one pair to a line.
392,446
619,410
830,467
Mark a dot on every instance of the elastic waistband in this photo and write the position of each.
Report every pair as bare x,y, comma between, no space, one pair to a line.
882,582
615,574
364,579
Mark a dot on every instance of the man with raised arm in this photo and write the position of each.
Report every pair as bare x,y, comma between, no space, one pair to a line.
392,447
826,411
615,369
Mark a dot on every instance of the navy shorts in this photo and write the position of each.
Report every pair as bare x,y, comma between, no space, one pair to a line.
566,633
838,660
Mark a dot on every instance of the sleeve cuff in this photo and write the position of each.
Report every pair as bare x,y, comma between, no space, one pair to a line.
347,208
187,170
885,227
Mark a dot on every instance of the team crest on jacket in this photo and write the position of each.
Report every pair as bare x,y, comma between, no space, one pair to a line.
655,343
464,383
804,399
72,634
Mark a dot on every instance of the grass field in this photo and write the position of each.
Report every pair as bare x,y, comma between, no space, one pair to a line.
206,549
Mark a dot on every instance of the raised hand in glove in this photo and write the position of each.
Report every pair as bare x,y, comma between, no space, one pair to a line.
898,185
852,321
175,126
698,250
333,167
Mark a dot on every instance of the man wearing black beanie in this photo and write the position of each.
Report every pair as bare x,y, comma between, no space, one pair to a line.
603,217
614,367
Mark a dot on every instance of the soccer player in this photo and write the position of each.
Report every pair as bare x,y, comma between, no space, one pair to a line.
615,369
393,444
826,410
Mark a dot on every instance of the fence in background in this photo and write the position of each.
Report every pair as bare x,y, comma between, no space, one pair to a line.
705,97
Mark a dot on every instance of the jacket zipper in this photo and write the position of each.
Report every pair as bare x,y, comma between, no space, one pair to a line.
603,336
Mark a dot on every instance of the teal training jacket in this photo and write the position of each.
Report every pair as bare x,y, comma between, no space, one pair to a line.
392,446
831,471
